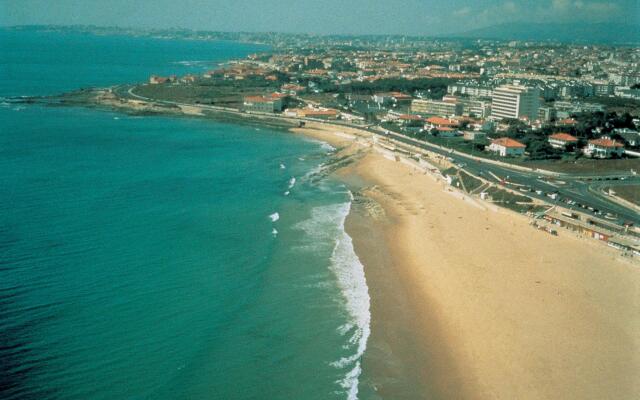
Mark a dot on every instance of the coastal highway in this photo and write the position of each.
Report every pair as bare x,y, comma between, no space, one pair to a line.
580,192
573,192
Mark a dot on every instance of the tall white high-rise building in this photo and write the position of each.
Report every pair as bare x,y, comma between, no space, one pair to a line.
515,101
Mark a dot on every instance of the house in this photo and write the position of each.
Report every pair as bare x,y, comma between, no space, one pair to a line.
562,140
392,99
410,120
188,79
156,80
474,135
507,147
604,148
437,122
567,122
269,104
292,89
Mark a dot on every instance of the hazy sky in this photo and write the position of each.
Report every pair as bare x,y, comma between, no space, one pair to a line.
315,16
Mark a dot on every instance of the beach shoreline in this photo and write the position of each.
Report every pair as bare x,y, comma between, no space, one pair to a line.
470,301
475,303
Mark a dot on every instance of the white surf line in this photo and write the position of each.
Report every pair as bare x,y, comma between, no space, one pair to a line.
352,282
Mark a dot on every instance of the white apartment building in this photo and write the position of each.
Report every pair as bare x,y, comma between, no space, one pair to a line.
514,101
470,89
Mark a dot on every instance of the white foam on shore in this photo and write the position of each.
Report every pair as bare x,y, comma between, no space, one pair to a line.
274,217
282,166
327,147
292,182
286,193
326,227
351,279
274,232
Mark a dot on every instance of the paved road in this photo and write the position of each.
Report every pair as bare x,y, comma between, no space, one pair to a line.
573,188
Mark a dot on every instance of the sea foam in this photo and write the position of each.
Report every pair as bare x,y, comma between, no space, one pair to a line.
274,217
351,279
327,225
327,147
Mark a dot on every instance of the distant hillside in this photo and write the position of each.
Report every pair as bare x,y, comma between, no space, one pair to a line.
602,33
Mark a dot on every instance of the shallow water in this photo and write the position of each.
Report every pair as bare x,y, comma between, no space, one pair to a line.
159,257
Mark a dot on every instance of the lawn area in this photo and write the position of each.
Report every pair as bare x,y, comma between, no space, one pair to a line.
470,183
586,166
218,92
628,192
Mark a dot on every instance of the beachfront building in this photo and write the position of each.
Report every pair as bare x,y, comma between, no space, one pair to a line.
507,147
515,101
267,104
327,114
604,148
435,107
562,141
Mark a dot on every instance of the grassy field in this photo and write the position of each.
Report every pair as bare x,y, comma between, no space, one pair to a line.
586,166
628,192
218,92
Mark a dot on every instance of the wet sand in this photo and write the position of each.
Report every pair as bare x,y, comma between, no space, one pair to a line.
471,303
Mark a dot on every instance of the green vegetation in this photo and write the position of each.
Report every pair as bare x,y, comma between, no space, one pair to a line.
515,202
586,166
218,92
617,104
630,193
436,87
469,182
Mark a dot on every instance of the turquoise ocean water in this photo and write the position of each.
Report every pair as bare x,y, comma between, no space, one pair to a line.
165,258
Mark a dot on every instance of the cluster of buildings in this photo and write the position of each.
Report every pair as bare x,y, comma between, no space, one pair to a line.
489,84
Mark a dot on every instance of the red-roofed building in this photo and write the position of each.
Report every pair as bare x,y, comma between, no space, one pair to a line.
437,122
507,147
410,120
269,104
562,140
293,89
604,148
567,122
155,80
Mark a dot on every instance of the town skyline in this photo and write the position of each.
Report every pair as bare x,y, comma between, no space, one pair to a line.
333,17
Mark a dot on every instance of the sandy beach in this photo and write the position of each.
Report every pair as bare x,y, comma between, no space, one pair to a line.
470,302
